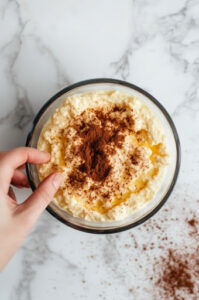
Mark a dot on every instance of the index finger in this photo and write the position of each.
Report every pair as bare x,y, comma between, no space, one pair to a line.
12,159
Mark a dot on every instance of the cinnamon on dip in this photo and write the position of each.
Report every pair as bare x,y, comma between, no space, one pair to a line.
111,150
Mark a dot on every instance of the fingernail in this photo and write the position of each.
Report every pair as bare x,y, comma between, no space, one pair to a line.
46,154
57,180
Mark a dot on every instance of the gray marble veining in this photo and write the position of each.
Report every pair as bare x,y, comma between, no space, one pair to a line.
45,46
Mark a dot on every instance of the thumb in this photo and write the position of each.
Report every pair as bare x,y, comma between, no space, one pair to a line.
43,195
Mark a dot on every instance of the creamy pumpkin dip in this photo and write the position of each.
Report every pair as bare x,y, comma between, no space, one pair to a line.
111,150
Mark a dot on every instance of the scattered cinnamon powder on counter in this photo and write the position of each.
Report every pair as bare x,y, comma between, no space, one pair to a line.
175,272
178,275
192,222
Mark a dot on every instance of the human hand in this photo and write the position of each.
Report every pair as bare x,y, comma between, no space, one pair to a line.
16,220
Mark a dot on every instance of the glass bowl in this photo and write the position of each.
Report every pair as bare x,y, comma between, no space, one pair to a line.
170,178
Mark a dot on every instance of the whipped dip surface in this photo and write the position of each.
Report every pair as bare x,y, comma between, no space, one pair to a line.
112,151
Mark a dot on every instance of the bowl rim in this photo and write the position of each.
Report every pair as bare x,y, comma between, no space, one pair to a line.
166,115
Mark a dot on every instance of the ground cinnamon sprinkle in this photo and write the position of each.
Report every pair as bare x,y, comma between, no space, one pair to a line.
92,151
192,222
135,158
99,140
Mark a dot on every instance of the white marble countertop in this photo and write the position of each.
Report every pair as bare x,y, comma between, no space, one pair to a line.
46,45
